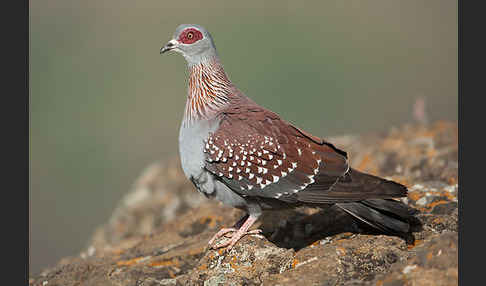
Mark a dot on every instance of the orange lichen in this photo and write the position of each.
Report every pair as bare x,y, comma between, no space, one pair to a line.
294,263
437,220
448,195
415,196
341,251
429,256
415,243
165,263
129,262
233,263
315,243
171,274
432,205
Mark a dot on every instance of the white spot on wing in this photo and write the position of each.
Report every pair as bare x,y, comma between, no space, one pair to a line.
311,179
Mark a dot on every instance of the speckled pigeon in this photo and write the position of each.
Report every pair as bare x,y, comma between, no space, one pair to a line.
248,157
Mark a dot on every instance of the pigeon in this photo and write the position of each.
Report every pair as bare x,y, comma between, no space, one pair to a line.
248,157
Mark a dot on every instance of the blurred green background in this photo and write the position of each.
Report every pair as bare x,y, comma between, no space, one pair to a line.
104,104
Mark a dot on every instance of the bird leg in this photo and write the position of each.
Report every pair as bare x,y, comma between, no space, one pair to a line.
238,232
224,231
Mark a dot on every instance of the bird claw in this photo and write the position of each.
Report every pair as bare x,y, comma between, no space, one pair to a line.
222,232
235,236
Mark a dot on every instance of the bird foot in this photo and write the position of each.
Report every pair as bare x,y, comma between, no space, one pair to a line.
234,237
222,232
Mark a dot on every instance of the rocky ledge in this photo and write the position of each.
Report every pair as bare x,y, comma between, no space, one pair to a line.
159,232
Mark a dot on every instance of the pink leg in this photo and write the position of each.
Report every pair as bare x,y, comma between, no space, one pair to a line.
224,231
242,231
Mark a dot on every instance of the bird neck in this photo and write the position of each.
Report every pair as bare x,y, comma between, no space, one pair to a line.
209,90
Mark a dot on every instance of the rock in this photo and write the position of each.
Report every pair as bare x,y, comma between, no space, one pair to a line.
158,233
434,263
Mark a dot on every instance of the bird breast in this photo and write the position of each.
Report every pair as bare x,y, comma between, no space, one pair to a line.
191,143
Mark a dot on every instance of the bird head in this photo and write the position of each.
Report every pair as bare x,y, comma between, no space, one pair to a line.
193,42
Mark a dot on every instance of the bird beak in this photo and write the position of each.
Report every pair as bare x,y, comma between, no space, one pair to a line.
172,44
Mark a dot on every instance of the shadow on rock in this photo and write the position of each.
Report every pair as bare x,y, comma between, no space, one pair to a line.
297,229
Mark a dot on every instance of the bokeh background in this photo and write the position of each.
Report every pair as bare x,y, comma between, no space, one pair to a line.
104,104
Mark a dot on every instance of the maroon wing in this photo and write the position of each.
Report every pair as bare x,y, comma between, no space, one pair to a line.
256,153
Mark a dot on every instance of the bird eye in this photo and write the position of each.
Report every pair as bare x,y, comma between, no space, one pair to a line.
190,36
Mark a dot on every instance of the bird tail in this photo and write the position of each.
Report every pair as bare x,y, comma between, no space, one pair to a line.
368,198
386,215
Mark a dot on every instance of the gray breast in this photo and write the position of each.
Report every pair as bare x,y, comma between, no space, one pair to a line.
191,144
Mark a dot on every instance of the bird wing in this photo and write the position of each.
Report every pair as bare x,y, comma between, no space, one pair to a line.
256,153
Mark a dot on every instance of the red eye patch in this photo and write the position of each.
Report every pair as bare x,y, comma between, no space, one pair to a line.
189,36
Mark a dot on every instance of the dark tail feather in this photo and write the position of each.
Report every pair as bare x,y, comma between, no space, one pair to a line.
354,186
386,215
